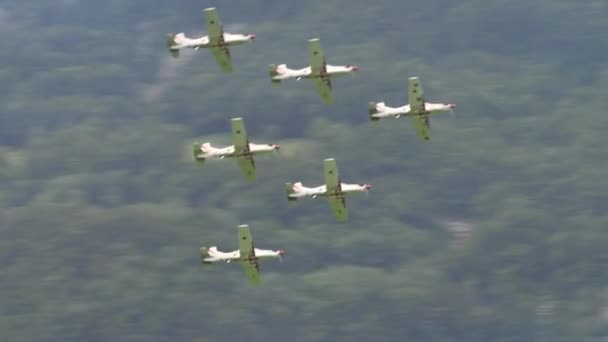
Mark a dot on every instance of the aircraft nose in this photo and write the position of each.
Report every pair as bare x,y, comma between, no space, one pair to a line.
367,186
276,146
281,252
252,36
355,68
452,106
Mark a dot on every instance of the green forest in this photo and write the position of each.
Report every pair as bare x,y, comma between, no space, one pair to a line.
494,230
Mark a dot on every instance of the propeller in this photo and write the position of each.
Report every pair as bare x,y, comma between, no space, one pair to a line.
281,252
452,107
366,189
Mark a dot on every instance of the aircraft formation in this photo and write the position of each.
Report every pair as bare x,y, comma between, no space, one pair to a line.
243,151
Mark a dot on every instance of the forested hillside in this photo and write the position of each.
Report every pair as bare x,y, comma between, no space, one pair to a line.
495,230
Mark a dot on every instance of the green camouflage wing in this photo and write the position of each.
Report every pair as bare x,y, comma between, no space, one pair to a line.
241,146
239,136
247,165
332,178
214,26
338,207
323,87
423,126
252,269
245,241
222,57
247,252
318,70
316,56
415,95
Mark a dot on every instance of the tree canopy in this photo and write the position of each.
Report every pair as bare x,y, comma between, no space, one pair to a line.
495,230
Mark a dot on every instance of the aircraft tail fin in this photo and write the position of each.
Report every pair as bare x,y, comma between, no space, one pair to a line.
196,150
290,189
205,255
171,41
273,71
373,108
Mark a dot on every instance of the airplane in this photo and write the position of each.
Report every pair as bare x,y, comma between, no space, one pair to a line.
333,189
247,255
417,109
242,149
318,71
216,40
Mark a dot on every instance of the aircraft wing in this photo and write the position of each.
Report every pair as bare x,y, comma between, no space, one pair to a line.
222,57
332,179
214,26
423,126
323,86
252,269
245,241
338,207
239,136
316,57
415,95
247,165
247,252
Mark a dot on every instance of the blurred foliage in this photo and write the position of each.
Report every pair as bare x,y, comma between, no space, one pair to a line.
492,231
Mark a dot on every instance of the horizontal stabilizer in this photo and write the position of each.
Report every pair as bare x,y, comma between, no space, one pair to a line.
272,71
196,150
204,251
289,188
170,43
372,109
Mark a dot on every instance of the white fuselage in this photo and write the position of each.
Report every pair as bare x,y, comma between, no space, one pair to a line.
284,73
429,108
181,41
300,191
208,151
213,255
